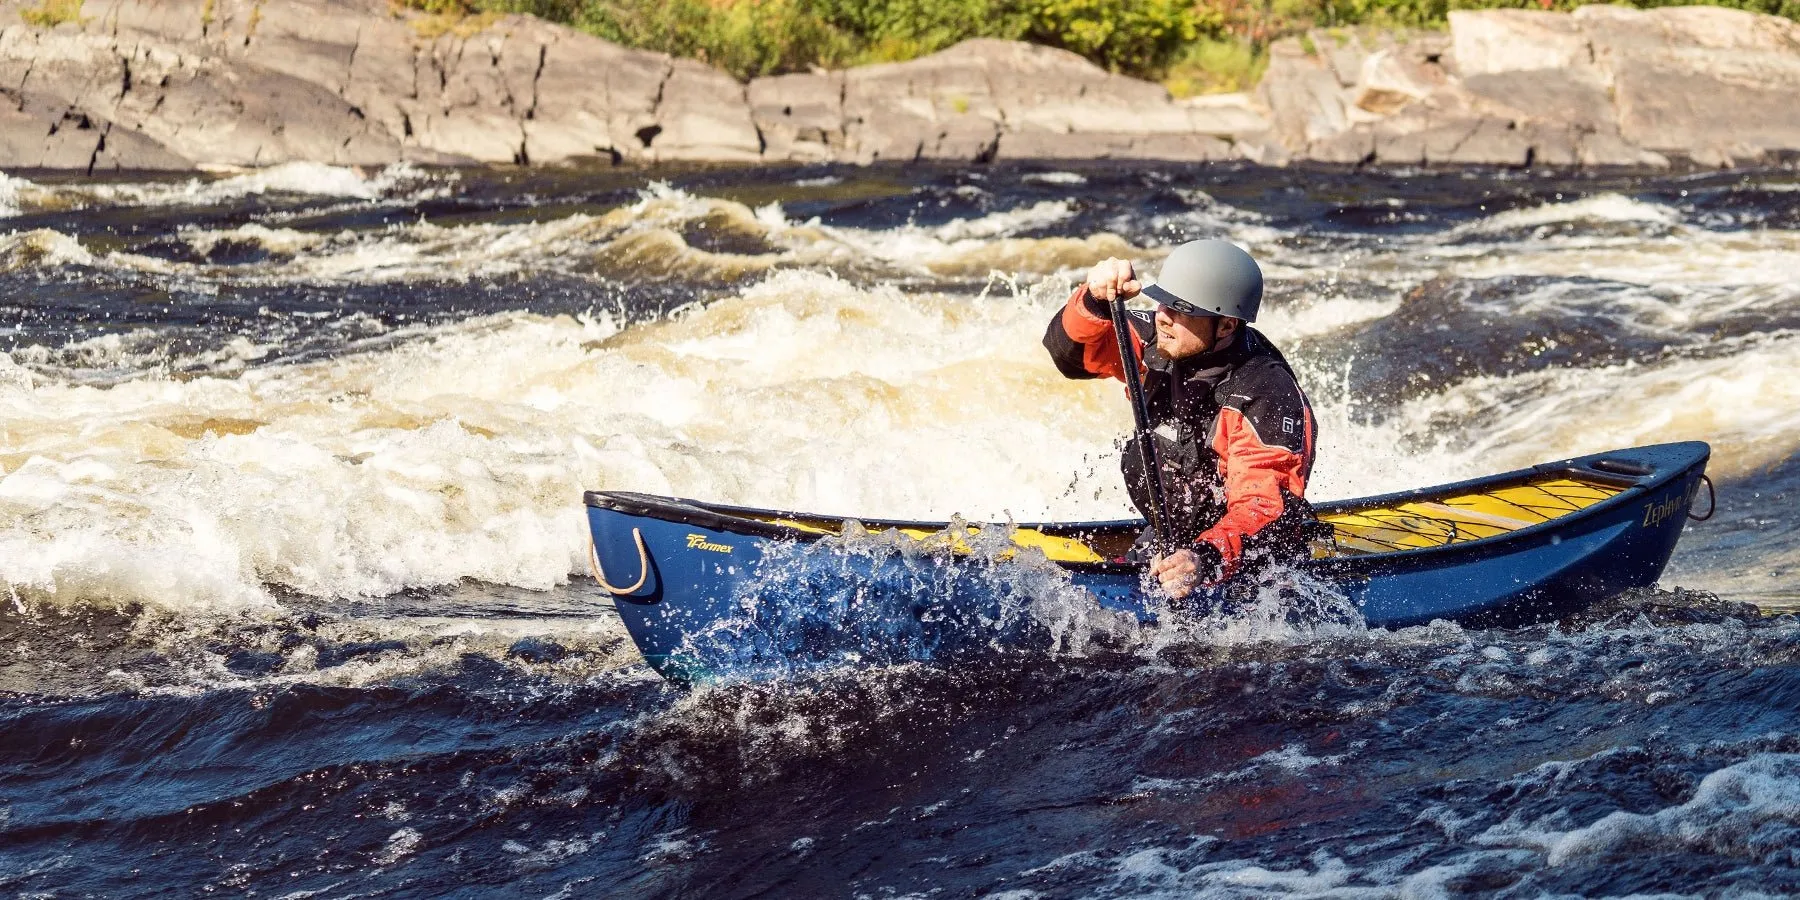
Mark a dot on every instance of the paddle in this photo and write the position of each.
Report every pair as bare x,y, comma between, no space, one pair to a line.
1140,410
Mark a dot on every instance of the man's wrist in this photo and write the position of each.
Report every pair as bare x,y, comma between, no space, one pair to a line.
1094,305
1209,563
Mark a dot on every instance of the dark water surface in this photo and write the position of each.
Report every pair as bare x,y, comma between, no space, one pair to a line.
295,597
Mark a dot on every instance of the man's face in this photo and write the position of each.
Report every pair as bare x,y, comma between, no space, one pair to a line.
1179,335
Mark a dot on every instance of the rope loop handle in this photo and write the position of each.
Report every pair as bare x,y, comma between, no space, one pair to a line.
643,564
1712,501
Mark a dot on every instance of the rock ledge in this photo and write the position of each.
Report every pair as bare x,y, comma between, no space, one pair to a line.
185,84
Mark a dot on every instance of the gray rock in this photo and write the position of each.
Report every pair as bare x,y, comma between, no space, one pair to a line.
1343,53
1305,102
940,107
963,137
1536,71
703,115
1232,116
181,83
1716,85
1396,77
1043,144
1501,41
1610,149
595,99
800,117
1194,147
252,82
1546,96
986,99
62,138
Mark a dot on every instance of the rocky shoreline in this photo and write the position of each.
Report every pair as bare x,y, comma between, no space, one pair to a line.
201,84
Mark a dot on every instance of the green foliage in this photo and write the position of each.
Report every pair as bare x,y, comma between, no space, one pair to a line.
1385,13
907,29
1138,37
760,37
1216,66
747,39
1197,46
1433,13
52,13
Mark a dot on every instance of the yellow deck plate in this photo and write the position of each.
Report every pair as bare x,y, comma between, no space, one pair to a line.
1458,518
1058,549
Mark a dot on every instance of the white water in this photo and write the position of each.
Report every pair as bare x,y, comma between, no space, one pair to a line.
462,452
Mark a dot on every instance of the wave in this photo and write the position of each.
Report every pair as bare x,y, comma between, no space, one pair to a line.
666,234
299,179
10,188
123,355
1600,208
41,248
1692,257
1744,810
398,182
461,453
1746,404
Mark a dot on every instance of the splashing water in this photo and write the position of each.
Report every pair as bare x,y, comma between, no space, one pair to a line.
291,539
860,599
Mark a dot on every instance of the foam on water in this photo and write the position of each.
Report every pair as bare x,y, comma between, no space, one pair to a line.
1747,404
401,181
650,239
332,656
1750,809
118,356
1607,207
984,244
1687,257
10,188
1319,317
1727,804
307,179
862,599
41,247
461,454
1061,179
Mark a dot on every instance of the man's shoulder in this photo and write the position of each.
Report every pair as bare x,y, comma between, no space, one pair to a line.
1263,371
1258,346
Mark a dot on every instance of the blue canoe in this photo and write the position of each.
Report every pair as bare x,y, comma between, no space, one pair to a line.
708,590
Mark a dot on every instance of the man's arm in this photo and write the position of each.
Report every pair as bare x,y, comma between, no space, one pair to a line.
1080,336
1265,446
1080,339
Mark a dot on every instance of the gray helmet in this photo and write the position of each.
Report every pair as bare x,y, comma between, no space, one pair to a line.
1209,278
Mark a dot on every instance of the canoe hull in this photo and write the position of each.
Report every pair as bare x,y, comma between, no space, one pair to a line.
705,592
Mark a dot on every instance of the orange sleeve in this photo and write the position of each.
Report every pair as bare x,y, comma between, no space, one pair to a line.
1099,346
1254,475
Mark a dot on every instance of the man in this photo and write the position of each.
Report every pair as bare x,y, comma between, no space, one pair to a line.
1232,430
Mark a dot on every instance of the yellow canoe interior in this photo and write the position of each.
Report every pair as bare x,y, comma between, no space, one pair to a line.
1453,517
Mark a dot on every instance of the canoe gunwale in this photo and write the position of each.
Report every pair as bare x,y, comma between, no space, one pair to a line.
742,520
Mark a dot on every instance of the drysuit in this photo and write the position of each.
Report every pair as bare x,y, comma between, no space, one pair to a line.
1232,429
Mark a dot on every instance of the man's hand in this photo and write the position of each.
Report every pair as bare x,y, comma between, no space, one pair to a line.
1111,278
1182,570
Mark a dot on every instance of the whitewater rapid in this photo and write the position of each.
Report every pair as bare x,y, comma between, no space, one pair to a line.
292,540
855,370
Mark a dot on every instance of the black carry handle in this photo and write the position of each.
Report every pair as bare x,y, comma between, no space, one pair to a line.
1134,384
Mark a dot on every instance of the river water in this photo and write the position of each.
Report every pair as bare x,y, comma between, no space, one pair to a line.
294,564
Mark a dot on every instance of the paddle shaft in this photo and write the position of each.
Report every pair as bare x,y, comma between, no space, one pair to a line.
1140,410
